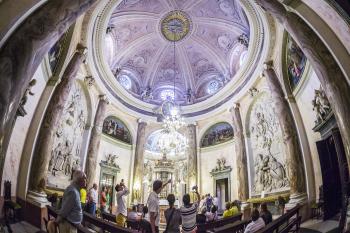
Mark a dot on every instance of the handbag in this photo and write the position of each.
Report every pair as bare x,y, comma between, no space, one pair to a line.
168,221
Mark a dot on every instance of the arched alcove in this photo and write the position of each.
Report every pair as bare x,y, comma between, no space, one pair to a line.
216,134
114,127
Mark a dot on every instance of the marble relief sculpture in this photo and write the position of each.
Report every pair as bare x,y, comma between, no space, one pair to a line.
321,106
269,160
21,111
65,153
220,165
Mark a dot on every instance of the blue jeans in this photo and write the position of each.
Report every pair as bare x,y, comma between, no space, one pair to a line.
91,208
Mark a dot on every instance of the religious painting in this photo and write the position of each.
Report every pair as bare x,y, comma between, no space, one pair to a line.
217,134
115,128
56,51
296,61
66,156
266,143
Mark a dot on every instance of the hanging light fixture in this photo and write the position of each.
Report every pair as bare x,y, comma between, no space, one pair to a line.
172,140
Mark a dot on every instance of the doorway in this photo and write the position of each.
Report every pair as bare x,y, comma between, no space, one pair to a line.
222,192
335,176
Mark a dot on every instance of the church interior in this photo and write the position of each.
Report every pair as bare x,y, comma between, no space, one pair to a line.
240,101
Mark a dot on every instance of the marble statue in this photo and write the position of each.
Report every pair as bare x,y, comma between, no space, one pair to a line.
189,96
320,105
220,165
147,94
110,160
27,92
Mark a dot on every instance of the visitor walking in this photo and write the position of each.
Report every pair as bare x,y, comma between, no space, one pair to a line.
103,200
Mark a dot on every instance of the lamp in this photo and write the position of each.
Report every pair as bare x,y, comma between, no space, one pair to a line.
172,141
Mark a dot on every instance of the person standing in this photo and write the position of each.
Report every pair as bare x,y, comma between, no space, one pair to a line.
153,215
189,212
103,199
71,211
122,192
92,199
83,198
172,216
108,198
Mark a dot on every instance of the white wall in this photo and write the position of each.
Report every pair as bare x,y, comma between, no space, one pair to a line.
124,160
18,137
208,157
304,101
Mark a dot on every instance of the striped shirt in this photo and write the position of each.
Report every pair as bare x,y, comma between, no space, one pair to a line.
254,226
188,215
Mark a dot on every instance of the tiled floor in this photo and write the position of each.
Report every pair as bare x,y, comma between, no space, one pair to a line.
23,227
319,226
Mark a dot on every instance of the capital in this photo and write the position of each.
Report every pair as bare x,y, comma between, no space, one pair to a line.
81,49
268,65
104,98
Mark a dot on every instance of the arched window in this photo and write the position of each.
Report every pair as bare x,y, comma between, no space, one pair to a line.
125,81
167,94
115,128
213,87
217,134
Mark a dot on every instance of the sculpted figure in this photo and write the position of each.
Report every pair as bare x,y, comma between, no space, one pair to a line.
147,94
27,92
320,105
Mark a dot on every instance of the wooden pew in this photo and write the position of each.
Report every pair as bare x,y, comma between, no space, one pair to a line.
202,228
53,213
237,227
288,222
133,224
100,223
108,217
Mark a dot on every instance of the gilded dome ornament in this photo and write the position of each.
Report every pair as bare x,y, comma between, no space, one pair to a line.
175,25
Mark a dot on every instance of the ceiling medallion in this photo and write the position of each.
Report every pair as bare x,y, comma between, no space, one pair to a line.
175,25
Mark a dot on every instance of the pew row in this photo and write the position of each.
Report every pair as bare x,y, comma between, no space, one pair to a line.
209,226
90,219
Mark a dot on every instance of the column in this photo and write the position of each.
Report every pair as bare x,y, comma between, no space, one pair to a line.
53,114
22,53
192,156
294,162
139,159
325,66
241,154
95,139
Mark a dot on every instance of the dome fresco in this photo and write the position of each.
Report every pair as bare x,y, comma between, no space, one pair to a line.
207,47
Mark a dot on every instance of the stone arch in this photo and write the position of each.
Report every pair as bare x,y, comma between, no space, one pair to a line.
116,128
223,129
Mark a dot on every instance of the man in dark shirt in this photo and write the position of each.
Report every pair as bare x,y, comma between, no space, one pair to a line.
265,214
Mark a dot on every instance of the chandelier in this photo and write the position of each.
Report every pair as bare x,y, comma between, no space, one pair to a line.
172,141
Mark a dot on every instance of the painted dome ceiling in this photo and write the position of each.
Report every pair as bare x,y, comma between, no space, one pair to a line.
150,45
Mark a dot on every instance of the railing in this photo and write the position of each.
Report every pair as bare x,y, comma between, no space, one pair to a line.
202,228
92,220
288,222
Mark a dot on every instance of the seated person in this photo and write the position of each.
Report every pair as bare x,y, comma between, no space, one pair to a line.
133,214
212,215
201,218
265,214
234,209
256,224
227,212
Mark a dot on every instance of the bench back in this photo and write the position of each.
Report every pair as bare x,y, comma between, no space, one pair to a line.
237,227
218,223
288,220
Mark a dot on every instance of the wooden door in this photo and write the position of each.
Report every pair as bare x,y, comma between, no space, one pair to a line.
330,177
